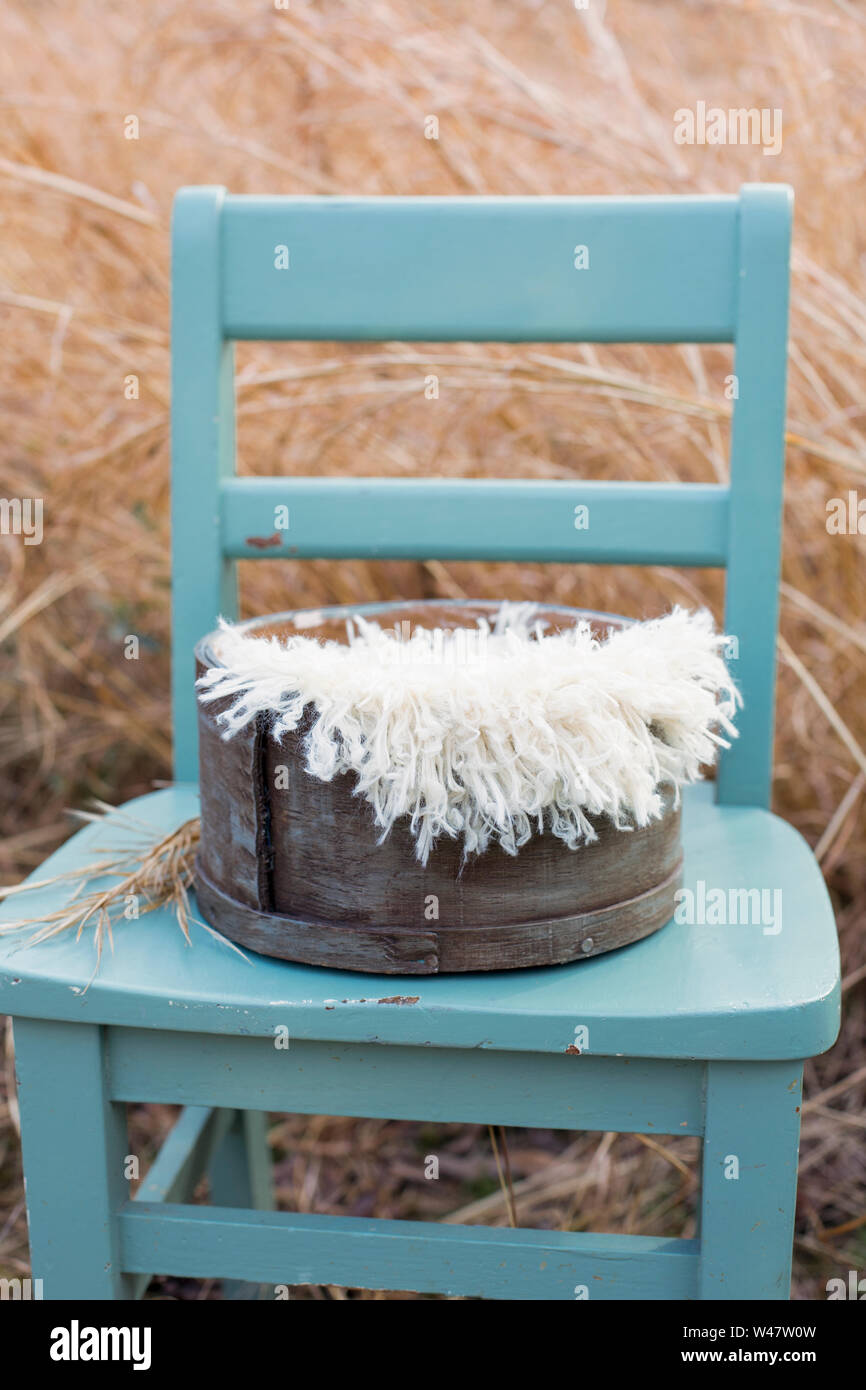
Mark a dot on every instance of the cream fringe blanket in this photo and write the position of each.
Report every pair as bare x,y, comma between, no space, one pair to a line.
493,732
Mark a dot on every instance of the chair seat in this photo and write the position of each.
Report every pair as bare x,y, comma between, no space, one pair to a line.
709,989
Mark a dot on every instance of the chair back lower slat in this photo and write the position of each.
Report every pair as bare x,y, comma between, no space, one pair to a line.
475,519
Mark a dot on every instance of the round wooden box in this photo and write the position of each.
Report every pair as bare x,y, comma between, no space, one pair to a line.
297,872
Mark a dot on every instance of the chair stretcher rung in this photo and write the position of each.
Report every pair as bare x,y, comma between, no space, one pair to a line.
289,1248
475,519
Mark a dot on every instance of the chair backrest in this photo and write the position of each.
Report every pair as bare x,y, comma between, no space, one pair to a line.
654,269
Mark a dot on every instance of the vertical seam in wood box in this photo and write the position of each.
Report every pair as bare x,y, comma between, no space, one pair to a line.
262,794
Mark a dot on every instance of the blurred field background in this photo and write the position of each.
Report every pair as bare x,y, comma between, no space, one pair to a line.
532,97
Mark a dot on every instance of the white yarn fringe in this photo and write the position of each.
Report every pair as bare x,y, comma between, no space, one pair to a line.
493,732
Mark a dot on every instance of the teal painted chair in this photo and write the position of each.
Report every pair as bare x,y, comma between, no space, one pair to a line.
700,1029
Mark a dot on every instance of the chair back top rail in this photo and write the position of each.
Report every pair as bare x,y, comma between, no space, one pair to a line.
482,269
564,269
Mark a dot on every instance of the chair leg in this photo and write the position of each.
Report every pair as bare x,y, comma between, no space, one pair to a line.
241,1176
75,1145
749,1179
240,1170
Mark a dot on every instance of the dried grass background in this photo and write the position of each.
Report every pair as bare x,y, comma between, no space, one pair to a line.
532,97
